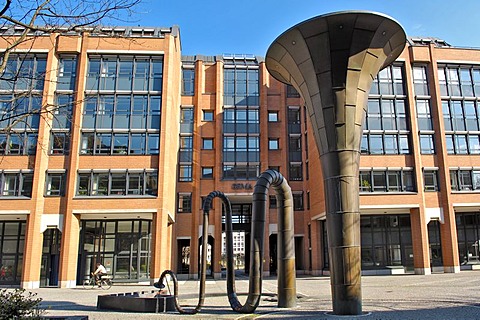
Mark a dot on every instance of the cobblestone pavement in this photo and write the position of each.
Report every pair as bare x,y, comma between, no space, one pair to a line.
437,296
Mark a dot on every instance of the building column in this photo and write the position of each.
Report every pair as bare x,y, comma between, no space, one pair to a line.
160,249
448,236
317,246
32,254
69,251
421,252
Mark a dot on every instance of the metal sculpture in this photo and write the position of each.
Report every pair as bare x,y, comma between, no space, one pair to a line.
286,257
287,296
332,60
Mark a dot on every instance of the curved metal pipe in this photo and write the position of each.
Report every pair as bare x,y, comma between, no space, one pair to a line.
286,251
203,262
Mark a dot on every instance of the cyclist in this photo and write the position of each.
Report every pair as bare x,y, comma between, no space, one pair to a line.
99,273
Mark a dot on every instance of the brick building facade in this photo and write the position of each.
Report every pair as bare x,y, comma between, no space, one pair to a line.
136,135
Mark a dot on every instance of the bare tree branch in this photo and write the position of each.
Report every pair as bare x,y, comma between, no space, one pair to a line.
21,23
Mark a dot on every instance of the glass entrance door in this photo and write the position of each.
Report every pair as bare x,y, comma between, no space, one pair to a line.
122,246
435,244
50,258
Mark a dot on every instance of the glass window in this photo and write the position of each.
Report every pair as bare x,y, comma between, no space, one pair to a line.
141,74
188,82
430,180
465,180
460,144
379,181
125,74
67,72
471,118
424,115
137,143
466,82
272,202
55,185
365,181
207,173
134,103
208,115
184,204
391,144
394,181
185,173
153,143
449,143
426,144
420,81
186,120
120,143
151,183
16,184
118,184
474,144
295,171
273,144
292,92
272,116
103,143
298,201
100,184
207,143
135,183
453,81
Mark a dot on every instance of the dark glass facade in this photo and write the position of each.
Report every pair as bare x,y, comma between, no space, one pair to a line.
123,246
12,241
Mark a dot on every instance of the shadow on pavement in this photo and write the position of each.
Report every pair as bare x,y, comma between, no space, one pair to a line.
65,305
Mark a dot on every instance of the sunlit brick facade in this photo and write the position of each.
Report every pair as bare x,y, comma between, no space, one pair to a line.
137,135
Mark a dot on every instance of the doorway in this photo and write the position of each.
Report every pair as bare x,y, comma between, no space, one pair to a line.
210,257
435,244
50,258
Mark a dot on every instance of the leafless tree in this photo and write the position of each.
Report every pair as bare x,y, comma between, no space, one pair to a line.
22,22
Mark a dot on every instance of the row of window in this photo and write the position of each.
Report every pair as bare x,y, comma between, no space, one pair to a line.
386,181
184,202
16,184
122,112
113,183
18,143
125,73
119,143
459,81
20,111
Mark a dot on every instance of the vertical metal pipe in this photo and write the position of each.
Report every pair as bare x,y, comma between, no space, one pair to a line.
203,261
286,257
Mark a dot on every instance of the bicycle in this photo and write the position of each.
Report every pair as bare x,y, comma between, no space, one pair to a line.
105,282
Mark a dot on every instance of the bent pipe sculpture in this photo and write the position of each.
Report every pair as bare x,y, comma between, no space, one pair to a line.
203,261
286,250
332,60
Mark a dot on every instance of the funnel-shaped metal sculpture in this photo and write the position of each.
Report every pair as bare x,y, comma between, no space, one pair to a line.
332,60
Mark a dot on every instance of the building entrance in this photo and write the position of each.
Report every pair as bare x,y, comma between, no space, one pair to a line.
122,246
435,244
50,258
241,220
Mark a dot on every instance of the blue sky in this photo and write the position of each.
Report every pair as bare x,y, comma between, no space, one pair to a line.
212,27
